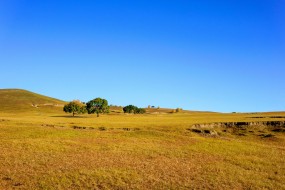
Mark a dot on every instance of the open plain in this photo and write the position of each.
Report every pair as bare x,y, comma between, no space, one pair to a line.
44,148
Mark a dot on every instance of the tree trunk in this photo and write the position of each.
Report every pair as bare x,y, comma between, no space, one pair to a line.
97,114
73,114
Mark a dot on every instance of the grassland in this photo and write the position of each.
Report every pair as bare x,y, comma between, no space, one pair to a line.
43,148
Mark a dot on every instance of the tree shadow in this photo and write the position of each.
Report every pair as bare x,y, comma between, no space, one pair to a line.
69,116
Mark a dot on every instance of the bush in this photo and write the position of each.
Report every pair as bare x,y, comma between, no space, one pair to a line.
139,111
102,128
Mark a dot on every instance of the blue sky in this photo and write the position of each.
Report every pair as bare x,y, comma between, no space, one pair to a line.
199,55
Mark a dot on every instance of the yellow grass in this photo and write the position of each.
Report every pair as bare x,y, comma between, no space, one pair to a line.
44,151
48,149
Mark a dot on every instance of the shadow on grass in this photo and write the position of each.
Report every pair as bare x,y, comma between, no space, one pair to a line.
69,116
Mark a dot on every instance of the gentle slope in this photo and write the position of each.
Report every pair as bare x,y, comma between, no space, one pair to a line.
17,100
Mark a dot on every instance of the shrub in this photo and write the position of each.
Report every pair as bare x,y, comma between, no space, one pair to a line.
139,111
102,128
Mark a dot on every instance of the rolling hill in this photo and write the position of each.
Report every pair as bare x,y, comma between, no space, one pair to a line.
18,100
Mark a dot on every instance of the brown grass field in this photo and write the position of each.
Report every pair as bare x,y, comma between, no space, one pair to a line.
41,147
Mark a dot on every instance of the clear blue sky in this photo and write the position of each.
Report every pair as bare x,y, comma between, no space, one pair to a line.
199,55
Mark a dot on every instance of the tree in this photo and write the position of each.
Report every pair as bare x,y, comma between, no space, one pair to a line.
129,109
97,105
178,110
74,107
133,109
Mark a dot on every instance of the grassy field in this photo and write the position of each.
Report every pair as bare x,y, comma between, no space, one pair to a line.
43,148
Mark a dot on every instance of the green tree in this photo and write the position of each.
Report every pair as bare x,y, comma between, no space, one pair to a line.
129,109
74,107
133,109
97,105
178,110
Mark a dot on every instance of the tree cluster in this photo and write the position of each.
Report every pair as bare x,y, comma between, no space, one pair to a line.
97,105
133,109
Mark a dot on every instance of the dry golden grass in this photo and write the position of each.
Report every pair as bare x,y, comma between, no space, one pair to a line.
44,151
44,148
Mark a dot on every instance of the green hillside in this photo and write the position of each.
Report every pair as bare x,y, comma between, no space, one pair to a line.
18,100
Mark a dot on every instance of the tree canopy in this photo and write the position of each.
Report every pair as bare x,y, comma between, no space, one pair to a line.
97,105
133,109
129,109
74,107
